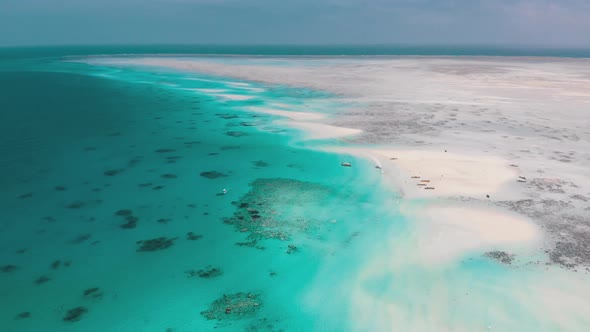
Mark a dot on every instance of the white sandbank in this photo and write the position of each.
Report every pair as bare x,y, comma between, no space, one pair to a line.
308,122
229,96
450,229
447,232
451,174
293,115
212,91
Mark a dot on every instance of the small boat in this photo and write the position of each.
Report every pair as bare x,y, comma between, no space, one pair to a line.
415,177
424,180
346,164
429,188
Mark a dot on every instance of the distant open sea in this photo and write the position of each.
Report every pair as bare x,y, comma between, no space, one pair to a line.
297,50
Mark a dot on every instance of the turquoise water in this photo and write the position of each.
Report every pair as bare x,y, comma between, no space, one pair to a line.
113,218
96,159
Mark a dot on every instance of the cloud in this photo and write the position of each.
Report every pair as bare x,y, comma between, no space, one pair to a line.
565,22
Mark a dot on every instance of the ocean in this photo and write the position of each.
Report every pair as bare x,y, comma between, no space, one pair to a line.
134,200
114,216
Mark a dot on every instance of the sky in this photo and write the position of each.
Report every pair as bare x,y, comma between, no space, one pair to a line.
554,23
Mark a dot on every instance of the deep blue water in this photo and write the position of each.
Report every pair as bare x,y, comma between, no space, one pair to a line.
286,50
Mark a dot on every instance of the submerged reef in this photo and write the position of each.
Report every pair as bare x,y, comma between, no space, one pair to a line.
159,243
27,195
206,273
212,174
130,219
93,293
193,237
112,172
236,133
233,307
275,209
260,163
75,314
264,324
500,256
81,238
227,116
42,279
55,265
9,268
131,222
23,315
164,150
75,205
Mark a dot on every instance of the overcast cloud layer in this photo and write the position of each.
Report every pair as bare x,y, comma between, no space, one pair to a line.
532,22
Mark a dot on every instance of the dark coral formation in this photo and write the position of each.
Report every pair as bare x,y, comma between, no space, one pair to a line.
193,237
248,124
570,230
41,280
93,293
572,253
164,150
206,273
59,188
227,116
55,265
27,195
236,133
233,307
267,210
260,163
9,268
169,176
130,219
75,205
500,256
264,324
23,315
81,238
75,314
212,174
230,147
159,243
291,249
130,222
112,172
124,213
